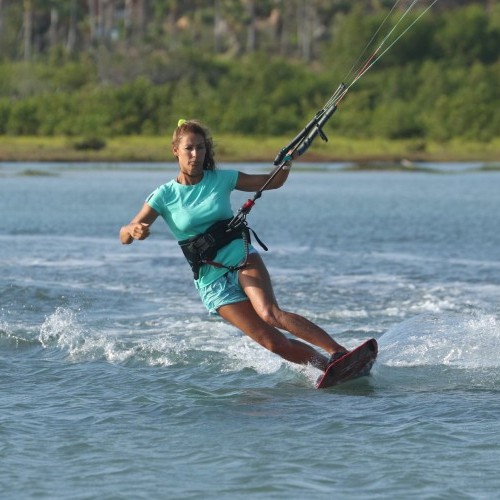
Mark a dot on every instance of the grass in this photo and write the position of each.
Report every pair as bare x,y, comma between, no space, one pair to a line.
236,148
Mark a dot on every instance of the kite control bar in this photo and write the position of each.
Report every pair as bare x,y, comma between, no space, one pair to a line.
297,147
300,144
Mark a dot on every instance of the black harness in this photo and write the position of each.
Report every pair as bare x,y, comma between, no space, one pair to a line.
203,248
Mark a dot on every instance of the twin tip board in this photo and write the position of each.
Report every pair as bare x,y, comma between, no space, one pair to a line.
354,364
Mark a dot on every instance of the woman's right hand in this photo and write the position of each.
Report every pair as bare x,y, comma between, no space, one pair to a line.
138,230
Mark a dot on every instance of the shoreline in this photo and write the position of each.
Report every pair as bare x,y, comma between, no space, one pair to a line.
245,149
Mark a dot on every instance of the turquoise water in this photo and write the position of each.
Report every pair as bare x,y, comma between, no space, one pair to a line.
115,383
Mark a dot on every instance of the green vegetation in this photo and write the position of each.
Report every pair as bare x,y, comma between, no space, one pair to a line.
240,148
435,94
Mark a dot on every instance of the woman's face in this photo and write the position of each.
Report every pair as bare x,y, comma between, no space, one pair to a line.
191,152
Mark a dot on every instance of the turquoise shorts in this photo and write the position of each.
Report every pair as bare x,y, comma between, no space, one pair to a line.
224,290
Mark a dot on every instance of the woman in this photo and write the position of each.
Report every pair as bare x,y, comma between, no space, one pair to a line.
237,285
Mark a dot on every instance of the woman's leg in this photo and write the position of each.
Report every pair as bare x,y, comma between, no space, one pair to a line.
243,316
256,283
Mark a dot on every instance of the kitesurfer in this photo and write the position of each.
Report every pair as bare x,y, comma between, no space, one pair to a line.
234,282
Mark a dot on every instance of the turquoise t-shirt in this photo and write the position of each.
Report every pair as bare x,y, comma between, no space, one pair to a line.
191,210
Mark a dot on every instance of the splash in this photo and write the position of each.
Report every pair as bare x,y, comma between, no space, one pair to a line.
244,353
63,330
60,328
452,346
159,342
445,338
162,342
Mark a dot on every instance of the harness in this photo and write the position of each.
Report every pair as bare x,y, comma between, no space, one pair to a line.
203,248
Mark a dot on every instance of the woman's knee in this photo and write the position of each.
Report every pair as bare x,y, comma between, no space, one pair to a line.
272,315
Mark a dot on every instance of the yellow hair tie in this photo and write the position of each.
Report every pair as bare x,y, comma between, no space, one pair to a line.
181,122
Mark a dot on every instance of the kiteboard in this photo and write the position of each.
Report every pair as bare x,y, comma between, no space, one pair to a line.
354,364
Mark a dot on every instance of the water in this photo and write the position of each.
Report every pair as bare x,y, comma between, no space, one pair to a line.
115,383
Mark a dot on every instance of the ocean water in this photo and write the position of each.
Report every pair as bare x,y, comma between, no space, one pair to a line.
115,383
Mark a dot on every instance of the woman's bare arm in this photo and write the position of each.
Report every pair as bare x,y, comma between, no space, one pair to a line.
138,227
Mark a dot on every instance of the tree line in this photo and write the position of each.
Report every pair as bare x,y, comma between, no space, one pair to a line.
32,28
120,67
